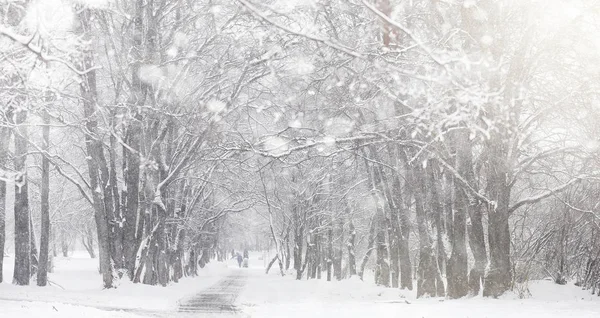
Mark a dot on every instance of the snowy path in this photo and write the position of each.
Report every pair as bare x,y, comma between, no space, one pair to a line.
217,299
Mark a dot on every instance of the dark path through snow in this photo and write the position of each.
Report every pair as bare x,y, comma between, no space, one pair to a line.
217,299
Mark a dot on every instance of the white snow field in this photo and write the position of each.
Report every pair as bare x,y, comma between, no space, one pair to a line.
81,295
76,281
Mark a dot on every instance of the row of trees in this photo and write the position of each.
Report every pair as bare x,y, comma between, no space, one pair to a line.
127,116
456,121
435,136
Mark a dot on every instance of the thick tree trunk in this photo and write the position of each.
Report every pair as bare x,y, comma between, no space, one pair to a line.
87,239
314,255
329,252
338,251
94,149
115,211
352,250
4,140
499,276
178,257
298,243
271,264
288,256
33,251
457,273
437,212
401,226
22,271
42,275
477,244
448,203
382,273
428,282
370,248
406,272
64,244
394,237
132,229
131,223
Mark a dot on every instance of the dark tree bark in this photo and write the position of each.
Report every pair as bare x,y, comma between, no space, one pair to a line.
113,201
42,275
370,248
395,238
65,243
351,250
131,160
437,211
33,251
22,271
428,282
271,264
458,265
298,242
406,273
499,276
477,244
448,203
4,140
94,149
338,250
382,273
329,252
87,240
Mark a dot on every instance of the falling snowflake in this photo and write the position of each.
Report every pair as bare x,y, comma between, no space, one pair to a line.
215,106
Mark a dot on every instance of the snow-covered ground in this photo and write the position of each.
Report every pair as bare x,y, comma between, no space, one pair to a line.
76,281
274,296
16,309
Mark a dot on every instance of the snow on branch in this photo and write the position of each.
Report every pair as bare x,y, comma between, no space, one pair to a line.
335,44
26,41
402,28
315,38
544,195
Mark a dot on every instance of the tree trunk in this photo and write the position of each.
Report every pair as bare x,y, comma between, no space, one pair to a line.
64,244
42,275
94,148
115,210
298,243
437,210
87,239
338,251
271,264
394,237
329,252
406,273
448,204
352,250
477,244
457,273
370,247
22,271
499,276
4,140
428,283
382,274
33,251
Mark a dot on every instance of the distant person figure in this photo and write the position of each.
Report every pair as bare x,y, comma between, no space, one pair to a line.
239,259
246,253
245,262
